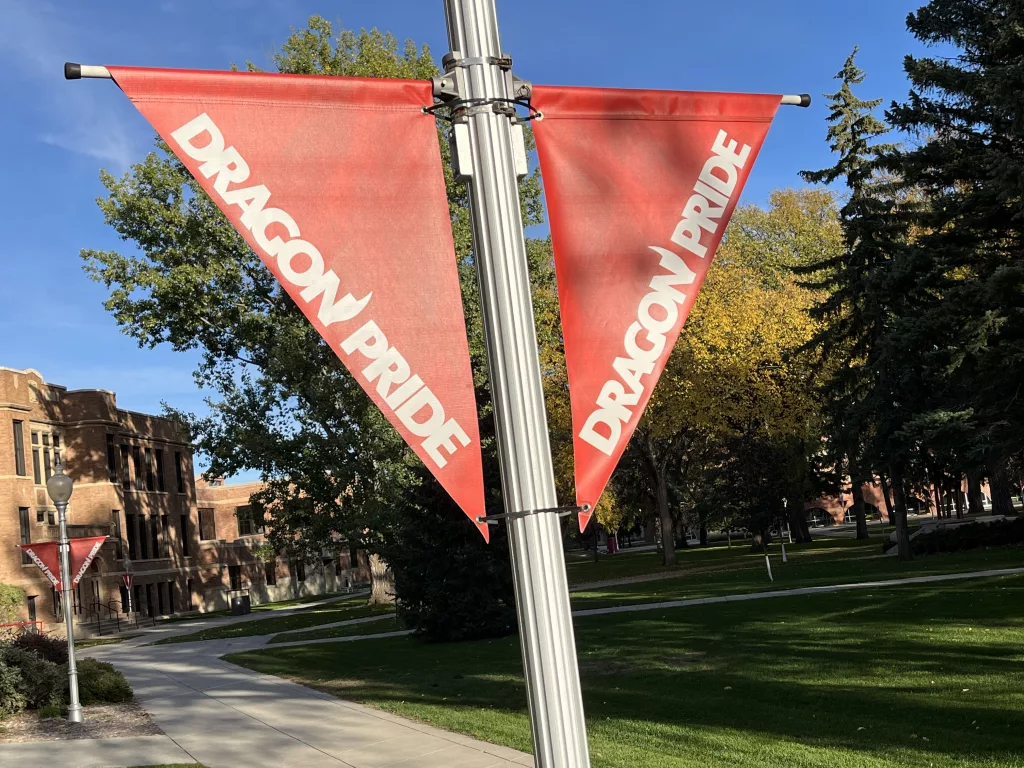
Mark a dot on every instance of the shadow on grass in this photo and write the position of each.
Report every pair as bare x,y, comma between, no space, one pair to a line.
914,675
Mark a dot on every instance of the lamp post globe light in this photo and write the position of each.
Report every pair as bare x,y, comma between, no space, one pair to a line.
59,487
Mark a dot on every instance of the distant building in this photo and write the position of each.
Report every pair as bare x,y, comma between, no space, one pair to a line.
190,547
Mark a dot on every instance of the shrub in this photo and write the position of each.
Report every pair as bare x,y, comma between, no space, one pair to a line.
100,683
999,533
11,600
12,700
42,681
53,649
50,711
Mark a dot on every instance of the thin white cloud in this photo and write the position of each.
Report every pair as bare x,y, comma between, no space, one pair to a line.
35,41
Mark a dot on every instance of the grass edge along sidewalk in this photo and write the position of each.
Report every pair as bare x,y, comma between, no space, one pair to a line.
327,613
926,675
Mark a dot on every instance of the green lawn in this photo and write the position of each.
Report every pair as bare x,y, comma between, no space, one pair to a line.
745,572
321,614
385,624
930,676
256,608
95,641
582,569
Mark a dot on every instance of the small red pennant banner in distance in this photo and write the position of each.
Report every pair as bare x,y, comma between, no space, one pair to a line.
337,185
83,552
45,554
640,186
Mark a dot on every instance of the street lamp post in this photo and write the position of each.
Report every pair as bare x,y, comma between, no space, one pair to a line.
59,487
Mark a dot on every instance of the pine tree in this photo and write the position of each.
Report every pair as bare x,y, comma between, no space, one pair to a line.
969,113
853,311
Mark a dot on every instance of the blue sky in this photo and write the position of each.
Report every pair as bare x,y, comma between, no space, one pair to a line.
55,135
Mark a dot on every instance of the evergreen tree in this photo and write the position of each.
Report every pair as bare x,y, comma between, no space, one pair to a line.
854,313
969,265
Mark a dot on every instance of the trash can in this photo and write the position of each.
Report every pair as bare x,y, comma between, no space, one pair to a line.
241,605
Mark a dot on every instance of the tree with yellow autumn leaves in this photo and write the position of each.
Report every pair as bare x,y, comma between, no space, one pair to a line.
733,425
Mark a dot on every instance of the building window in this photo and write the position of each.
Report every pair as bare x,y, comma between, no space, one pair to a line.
40,515
270,573
31,600
207,525
154,528
47,468
150,481
50,519
111,459
137,467
19,449
115,518
183,534
161,484
143,537
235,577
26,533
126,479
56,450
131,525
299,570
246,524
188,588
179,471
37,466
165,525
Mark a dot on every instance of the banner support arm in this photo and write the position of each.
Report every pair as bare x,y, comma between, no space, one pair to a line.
797,100
74,71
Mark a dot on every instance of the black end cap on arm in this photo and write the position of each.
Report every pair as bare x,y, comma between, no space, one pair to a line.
72,71
805,99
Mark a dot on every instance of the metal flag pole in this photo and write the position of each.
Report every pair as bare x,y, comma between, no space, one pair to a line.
488,162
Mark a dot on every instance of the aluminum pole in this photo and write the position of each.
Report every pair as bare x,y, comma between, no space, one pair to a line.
499,250
67,592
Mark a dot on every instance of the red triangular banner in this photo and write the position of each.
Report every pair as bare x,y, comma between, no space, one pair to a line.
83,552
46,554
337,184
640,186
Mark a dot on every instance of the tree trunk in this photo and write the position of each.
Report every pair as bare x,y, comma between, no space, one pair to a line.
703,535
900,498
668,538
999,483
382,582
649,532
975,498
956,490
857,487
938,498
798,521
887,498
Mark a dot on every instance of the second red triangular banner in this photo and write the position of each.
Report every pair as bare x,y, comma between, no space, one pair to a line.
640,186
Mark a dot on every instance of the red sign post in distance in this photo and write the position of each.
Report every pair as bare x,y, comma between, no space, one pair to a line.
336,183
640,186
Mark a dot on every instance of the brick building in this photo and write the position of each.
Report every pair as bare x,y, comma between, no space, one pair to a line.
189,546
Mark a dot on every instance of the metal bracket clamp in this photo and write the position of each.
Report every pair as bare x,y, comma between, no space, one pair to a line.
560,511
448,89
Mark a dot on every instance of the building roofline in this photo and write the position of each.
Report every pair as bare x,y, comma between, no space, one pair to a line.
27,371
91,389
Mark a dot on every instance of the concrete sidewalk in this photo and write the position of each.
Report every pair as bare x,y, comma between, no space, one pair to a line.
224,716
87,753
